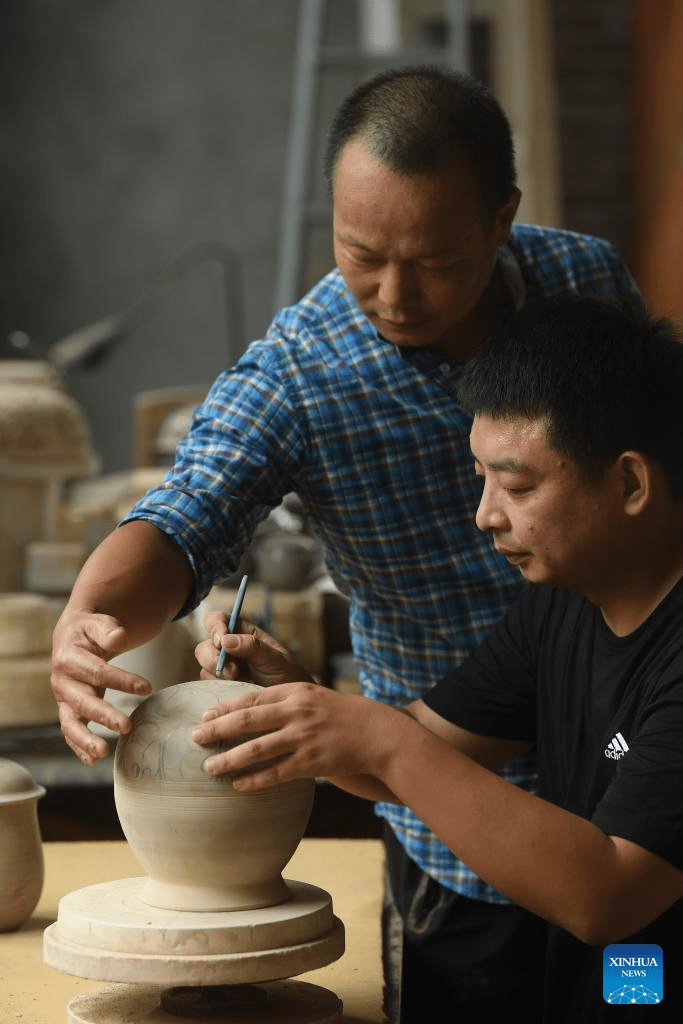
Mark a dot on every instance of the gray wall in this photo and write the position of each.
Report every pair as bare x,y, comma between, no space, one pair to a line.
130,131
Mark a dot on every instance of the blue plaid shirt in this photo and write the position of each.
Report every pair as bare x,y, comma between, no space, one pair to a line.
374,442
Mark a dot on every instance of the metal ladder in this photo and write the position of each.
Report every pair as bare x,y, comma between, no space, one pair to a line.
299,212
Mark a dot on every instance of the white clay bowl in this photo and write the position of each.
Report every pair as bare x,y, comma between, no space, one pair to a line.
204,845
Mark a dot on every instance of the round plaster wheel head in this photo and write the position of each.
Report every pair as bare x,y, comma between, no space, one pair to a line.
105,932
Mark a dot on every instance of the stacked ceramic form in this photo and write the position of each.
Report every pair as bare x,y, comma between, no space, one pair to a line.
26,622
45,442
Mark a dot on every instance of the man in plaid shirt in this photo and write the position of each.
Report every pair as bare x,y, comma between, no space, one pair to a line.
350,400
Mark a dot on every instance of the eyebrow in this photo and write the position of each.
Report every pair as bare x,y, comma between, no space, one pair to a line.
506,465
356,242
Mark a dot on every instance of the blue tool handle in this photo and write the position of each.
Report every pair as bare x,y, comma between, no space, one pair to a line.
232,622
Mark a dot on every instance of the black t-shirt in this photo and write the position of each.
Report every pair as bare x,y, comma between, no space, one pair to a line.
606,714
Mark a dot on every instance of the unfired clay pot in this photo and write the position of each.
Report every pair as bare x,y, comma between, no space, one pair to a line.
204,845
21,851
286,561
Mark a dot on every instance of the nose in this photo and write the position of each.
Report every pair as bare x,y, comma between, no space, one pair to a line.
490,514
397,288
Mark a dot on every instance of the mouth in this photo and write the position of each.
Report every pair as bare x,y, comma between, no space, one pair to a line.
398,325
513,557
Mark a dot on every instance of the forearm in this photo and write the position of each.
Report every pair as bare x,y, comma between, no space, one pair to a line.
364,786
489,751
138,576
559,866
544,858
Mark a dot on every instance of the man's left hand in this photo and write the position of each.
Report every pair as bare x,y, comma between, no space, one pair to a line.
304,731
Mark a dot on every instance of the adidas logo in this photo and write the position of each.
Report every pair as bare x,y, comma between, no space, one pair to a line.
616,748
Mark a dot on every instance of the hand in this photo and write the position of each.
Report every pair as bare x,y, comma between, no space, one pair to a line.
311,731
255,655
83,643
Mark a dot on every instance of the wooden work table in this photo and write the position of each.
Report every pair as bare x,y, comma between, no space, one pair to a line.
349,869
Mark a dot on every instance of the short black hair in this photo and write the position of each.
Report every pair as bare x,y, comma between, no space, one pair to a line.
606,379
420,120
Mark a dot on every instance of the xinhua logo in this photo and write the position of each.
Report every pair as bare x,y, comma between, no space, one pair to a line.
633,973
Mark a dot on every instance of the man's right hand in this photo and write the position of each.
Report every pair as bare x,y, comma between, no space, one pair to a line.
138,579
83,644
253,654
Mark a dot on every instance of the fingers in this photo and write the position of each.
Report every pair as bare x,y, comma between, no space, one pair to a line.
270,663
79,704
208,651
298,730
99,633
81,666
288,744
245,647
88,705
81,674
263,713
252,654
233,725
216,626
265,639
259,763
273,774
81,653
215,623
85,744
247,713
206,654
250,755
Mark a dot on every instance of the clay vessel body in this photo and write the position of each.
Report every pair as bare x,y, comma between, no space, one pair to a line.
21,851
204,845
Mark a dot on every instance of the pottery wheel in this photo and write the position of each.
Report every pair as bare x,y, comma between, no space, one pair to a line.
280,1002
105,932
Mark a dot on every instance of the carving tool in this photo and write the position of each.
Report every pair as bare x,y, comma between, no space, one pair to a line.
234,615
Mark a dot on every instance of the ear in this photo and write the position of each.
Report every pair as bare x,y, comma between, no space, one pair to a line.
636,477
505,216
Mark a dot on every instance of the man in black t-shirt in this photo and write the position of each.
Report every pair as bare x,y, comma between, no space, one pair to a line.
578,438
